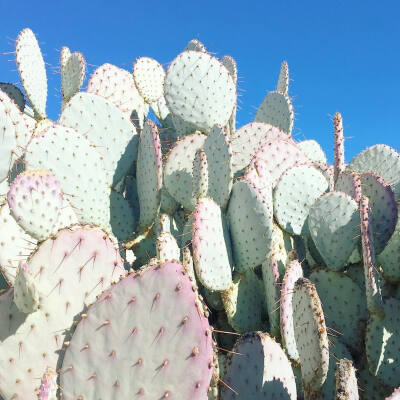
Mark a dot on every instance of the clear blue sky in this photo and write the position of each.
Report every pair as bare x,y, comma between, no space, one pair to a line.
343,55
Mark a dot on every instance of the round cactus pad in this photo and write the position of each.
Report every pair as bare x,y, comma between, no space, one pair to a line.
295,194
349,182
334,223
14,93
258,369
158,344
200,90
313,151
277,110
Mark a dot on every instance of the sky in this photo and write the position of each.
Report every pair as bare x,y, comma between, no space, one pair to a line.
343,55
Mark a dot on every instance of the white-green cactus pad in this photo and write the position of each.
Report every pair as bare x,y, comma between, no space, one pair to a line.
219,159
195,45
313,151
32,71
200,175
278,155
178,169
70,271
250,222
158,345
292,274
346,381
388,259
345,307
277,110
122,222
383,205
384,161
295,194
65,53
4,188
249,138
72,76
257,370
26,295
80,171
311,335
282,85
334,223
107,128
14,93
149,174
244,303
15,244
117,85
200,90
149,77
210,253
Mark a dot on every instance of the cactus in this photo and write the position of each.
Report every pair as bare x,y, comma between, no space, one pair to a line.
270,234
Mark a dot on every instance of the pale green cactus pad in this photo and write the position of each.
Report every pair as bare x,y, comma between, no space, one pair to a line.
345,307
14,93
346,381
210,253
295,194
258,369
349,182
149,78
384,161
388,259
313,151
200,90
178,169
244,303
219,158
249,138
195,45
277,110
282,85
250,222
200,175
107,128
72,75
32,71
334,223
65,53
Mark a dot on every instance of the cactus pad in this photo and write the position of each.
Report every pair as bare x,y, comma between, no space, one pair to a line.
158,335
72,75
346,381
349,182
149,77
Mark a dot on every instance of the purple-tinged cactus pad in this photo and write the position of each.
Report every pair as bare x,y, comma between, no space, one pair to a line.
345,305
250,222
295,193
277,110
258,369
346,381
219,157
117,86
249,138
334,223
143,337
395,395
149,174
383,208
210,252
178,169
80,170
311,335
293,273
349,182
279,155
339,163
35,201
107,128
200,90
32,71
258,176
384,161
15,244
244,303
69,272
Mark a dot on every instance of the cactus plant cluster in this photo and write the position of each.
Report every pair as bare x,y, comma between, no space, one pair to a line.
183,257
